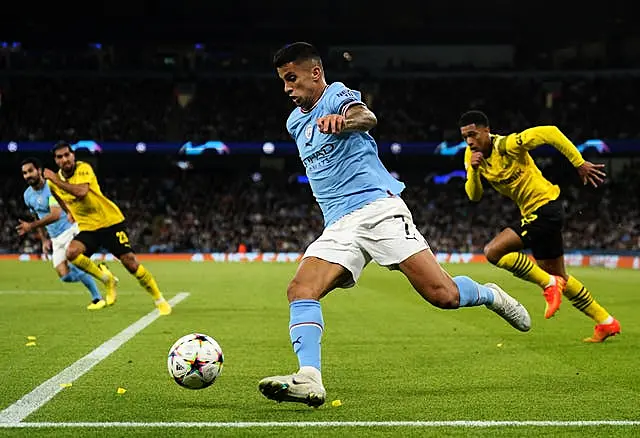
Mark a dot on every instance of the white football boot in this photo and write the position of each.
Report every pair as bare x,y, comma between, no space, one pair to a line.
305,386
509,308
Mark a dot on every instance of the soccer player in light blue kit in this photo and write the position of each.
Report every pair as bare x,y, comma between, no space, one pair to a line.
365,219
50,214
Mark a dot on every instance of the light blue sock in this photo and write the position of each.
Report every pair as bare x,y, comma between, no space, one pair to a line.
69,277
86,279
472,293
305,328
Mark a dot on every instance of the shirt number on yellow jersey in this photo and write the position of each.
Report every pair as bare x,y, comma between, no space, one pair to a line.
527,220
122,238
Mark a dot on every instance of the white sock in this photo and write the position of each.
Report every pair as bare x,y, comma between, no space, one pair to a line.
609,320
552,281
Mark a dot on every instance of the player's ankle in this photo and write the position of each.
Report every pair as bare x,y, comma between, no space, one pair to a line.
609,320
312,372
552,281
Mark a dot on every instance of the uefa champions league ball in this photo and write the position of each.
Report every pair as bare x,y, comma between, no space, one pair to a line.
195,361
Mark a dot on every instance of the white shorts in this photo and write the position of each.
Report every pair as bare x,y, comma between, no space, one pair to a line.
60,244
382,230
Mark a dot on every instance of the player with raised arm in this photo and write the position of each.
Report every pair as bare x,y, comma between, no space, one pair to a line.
504,161
365,219
50,215
101,223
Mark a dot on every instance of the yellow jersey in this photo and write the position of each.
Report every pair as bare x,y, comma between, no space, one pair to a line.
512,172
95,210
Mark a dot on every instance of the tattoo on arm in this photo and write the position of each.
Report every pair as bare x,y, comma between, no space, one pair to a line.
359,118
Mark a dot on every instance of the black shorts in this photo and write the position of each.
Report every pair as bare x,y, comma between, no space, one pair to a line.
542,231
114,239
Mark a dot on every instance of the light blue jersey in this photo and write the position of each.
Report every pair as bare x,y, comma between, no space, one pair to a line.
344,171
40,203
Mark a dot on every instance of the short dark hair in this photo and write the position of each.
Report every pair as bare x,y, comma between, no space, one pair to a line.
32,160
473,117
60,145
299,51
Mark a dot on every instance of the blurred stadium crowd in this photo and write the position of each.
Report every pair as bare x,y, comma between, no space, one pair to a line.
221,212
254,109
216,212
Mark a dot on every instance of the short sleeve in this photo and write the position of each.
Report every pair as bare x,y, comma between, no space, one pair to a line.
342,98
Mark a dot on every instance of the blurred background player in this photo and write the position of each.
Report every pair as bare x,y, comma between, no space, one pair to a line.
365,219
504,161
101,225
51,216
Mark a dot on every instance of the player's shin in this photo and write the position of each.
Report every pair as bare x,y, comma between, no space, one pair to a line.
87,265
147,281
522,267
582,300
472,293
305,328
87,280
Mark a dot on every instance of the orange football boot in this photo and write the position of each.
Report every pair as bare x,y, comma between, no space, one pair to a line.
553,296
603,331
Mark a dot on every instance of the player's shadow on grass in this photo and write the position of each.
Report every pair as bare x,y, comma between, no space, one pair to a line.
297,408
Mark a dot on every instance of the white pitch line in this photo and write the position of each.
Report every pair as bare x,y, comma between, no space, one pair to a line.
307,424
53,292
34,400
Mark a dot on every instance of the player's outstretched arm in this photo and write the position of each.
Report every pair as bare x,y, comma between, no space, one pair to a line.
77,190
551,135
25,227
540,135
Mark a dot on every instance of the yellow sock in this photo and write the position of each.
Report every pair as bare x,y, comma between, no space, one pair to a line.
582,300
522,267
86,264
148,282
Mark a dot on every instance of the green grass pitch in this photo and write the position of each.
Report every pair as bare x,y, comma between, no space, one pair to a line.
387,354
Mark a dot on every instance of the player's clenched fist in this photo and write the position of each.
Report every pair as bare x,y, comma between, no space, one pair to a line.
331,124
476,159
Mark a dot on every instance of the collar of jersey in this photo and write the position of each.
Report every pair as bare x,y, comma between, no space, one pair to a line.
317,101
61,173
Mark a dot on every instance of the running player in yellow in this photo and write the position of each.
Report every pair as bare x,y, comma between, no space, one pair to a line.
504,161
101,223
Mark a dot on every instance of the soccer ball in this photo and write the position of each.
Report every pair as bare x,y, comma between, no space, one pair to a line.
195,361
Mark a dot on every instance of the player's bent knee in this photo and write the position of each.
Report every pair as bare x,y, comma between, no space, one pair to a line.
73,252
130,262
300,291
62,269
492,254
